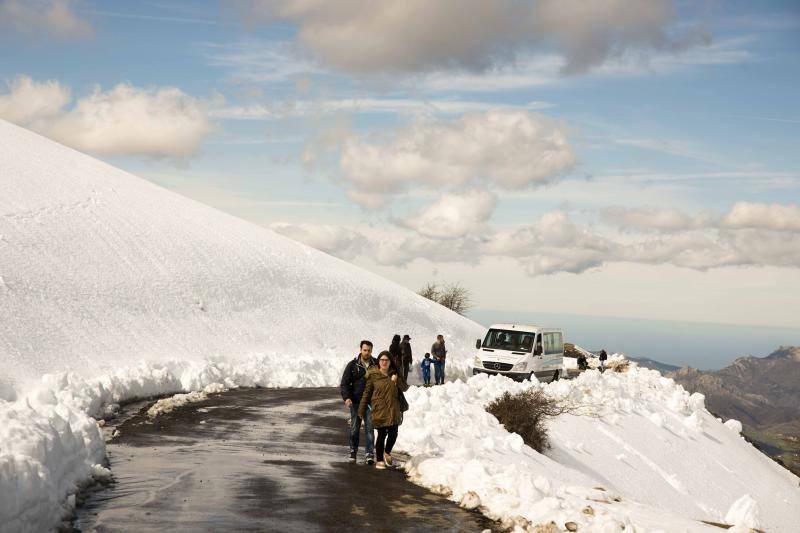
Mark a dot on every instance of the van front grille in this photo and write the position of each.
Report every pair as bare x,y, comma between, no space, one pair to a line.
503,367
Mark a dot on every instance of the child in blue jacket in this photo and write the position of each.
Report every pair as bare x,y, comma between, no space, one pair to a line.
426,369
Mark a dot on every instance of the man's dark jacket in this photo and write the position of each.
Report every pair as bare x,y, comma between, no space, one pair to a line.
405,348
354,380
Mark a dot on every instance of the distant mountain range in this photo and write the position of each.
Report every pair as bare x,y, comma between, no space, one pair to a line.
761,392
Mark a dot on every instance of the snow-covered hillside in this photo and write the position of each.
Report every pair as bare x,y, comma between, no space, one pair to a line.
113,288
640,453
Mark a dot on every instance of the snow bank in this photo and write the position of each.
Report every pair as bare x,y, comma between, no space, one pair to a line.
640,452
112,288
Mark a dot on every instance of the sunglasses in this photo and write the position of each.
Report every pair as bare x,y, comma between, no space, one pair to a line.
383,360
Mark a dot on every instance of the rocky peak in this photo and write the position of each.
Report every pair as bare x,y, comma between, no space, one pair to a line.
786,352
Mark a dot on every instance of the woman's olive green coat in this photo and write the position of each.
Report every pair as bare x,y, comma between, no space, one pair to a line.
381,395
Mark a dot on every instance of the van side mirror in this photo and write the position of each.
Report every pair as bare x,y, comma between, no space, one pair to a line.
478,343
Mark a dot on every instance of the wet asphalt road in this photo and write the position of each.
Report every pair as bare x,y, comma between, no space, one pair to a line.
257,460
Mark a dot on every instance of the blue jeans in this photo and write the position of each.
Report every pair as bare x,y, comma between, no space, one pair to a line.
426,375
438,372
355,428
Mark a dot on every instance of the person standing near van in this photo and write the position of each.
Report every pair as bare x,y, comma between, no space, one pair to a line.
352,387
405,349
381,397
603,357
439,353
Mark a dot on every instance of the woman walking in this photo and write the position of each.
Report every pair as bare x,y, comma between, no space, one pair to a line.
381,396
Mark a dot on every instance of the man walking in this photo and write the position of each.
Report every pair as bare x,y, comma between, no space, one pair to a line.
439,354
603,358
352,388
405,349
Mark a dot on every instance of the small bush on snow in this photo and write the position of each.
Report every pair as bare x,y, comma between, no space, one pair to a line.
526,414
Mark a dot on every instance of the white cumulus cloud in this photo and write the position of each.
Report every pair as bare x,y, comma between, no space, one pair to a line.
27,101
507,148
764,216
453,215
158,122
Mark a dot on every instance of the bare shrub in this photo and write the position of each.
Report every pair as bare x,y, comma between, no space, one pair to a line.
430,291
453,296
526,414
621,366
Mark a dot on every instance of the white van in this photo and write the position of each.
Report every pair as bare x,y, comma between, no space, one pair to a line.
520,352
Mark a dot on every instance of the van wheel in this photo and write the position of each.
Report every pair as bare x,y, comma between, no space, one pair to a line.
555,376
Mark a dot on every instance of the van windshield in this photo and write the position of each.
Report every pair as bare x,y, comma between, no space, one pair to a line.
514,341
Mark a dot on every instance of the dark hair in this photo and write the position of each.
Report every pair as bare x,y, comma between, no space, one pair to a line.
368,343
392,366
427,354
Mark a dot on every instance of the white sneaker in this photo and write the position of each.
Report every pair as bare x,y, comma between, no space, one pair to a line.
370,460
380,465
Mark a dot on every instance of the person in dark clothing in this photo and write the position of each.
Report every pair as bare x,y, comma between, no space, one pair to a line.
396,352
582,363
381,397
408,360
439,353
603,357
352,389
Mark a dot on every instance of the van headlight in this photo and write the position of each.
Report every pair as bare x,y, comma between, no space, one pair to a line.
519,367
476,361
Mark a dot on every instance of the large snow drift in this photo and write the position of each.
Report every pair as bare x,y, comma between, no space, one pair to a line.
113,288
639,454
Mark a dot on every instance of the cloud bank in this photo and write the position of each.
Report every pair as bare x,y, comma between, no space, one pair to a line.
124,120
652,218
384,36
555,243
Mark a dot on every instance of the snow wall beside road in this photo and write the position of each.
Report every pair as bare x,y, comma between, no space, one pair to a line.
113,288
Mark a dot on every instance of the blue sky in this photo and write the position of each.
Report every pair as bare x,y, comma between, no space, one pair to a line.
644,168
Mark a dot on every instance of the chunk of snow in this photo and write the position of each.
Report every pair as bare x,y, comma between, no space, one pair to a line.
167,405
734,425
744,513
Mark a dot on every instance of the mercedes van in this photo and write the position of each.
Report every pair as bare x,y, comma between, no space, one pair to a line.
521,352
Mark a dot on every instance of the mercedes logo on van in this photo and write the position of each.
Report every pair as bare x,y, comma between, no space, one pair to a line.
496,366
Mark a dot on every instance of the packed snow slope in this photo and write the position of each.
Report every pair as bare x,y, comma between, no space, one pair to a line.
637,453
113,288
100,269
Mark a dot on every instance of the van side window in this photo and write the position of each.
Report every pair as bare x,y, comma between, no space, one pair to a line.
548,342
559,343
